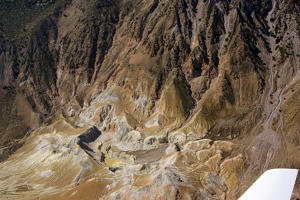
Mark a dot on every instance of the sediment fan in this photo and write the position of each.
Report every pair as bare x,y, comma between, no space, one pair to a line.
275,184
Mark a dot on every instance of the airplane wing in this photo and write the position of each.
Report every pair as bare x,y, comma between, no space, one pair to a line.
274,184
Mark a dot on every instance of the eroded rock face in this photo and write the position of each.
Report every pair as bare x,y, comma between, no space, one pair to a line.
186,99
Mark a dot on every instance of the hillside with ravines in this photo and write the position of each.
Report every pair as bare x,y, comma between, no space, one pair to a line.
158,99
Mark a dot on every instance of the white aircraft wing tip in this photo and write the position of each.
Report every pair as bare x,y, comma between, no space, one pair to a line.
274,184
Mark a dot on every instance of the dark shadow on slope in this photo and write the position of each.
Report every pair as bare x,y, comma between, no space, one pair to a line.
90,135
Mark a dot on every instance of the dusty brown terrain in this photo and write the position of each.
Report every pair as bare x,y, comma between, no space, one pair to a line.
187,99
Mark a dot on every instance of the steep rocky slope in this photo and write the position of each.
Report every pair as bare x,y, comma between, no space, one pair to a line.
146,99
